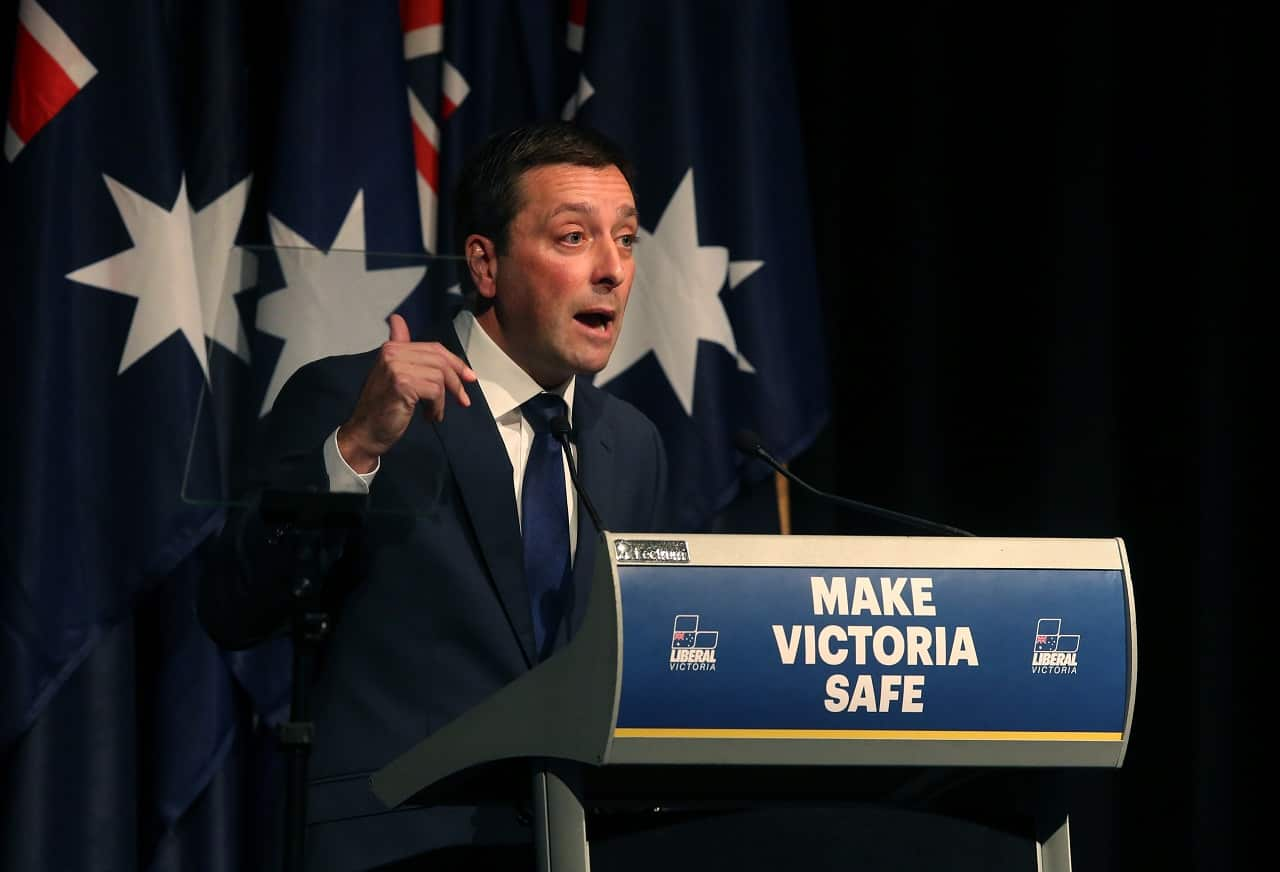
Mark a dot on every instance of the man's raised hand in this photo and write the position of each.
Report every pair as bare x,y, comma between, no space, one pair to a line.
404,375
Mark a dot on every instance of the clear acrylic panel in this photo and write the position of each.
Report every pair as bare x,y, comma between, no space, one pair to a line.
281,308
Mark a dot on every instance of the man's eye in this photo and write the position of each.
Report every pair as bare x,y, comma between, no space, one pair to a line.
627,240
573,238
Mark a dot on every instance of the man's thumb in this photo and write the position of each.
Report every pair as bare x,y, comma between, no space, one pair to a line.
399,329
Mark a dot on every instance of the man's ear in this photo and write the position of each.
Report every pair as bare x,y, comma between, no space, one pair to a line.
482,263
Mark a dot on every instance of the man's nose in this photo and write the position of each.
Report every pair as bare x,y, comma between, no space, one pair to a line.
608,266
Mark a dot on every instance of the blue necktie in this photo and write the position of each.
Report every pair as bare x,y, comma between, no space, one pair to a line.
545,523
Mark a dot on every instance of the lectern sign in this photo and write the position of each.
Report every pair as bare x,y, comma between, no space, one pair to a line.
873,651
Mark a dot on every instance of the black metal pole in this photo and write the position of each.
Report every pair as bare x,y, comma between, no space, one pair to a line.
309,629
316,523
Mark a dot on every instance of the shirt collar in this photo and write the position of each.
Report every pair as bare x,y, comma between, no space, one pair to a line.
504,384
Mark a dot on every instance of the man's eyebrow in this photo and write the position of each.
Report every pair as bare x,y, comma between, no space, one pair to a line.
572,207
623,211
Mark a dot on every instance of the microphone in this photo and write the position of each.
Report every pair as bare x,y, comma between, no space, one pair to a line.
562,431
749,444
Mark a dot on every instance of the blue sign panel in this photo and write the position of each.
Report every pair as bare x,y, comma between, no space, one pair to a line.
989,651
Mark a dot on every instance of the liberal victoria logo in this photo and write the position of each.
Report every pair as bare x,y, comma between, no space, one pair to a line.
692,649
1054,652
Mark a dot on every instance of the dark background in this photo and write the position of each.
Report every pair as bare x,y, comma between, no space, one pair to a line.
1034,229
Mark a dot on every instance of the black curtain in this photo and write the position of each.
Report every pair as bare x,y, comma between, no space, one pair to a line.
1034,227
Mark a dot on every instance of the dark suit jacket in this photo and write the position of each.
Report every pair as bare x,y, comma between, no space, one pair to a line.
432,611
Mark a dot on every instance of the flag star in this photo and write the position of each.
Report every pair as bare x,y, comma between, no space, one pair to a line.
158,271
675,301
331,303
741,270
223,269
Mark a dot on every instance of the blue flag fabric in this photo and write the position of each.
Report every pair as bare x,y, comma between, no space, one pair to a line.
111,224
124,183
341,182
110,346
723,331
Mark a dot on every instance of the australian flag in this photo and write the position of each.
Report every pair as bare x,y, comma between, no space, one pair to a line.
120,213
723,328
342,182
124,182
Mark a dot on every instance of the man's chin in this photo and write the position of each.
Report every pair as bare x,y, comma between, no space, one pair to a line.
589,364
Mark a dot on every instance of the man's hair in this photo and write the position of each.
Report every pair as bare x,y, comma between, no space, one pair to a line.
488,195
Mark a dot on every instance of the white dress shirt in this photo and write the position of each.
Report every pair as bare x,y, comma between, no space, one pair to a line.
505,387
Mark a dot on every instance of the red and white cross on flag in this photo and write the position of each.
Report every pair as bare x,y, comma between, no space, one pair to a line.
48,70
422,22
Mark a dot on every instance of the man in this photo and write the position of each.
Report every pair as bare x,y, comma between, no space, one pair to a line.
438,600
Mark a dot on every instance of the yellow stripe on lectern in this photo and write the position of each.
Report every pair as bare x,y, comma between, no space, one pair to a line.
914,735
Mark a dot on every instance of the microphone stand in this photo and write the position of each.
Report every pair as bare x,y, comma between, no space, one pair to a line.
562,431
749,444
309,520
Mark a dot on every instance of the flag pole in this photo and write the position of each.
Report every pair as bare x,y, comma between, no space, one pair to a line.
782,490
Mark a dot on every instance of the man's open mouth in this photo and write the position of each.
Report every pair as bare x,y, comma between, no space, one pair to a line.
595,320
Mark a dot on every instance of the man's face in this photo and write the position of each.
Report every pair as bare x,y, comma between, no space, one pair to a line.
560,290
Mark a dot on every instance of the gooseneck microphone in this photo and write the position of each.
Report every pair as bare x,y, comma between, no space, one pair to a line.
562,431
749,444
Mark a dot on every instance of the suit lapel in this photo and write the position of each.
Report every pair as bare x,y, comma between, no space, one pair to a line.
482,471
483,474
596,471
